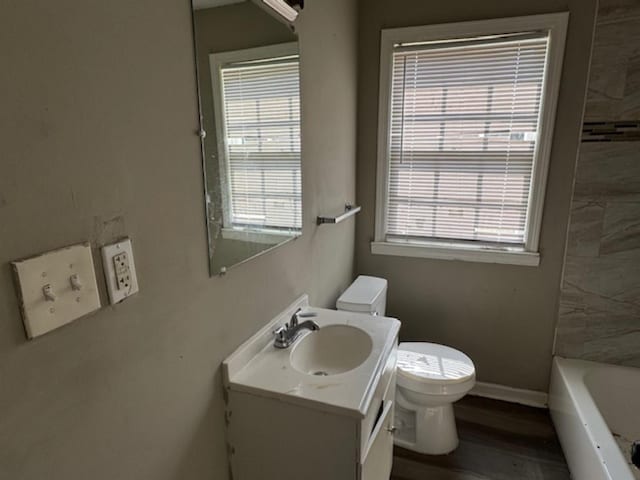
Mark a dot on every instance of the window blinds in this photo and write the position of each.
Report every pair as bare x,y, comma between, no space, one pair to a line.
262,125
463,133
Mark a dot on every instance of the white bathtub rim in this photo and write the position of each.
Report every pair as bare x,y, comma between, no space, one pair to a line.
573,372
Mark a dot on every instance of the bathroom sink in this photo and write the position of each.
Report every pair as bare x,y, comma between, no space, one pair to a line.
332,350
334,369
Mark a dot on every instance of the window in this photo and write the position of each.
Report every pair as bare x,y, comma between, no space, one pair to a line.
257,101
466,116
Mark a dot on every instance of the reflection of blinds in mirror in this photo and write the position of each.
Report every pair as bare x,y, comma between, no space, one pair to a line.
463,134
262,125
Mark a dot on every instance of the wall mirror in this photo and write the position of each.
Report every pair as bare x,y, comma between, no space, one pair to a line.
249,83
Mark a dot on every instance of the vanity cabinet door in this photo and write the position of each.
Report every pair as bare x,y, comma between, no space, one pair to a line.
385,390
379,455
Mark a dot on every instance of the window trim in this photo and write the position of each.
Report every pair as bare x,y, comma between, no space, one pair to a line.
556,25
216,62
258,236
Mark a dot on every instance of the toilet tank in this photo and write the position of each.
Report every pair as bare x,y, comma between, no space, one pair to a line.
365,295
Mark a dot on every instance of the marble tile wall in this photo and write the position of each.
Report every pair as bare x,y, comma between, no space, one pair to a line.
599,312
614,85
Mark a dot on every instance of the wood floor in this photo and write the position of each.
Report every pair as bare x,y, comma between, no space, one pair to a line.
498,441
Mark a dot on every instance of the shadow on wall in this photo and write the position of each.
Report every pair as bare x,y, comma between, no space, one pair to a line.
197,457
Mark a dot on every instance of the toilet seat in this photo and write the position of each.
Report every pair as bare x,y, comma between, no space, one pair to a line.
434,369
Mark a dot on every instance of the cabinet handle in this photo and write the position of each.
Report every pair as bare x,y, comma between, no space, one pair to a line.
392,430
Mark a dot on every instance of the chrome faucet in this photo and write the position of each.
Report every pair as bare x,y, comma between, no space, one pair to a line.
288,333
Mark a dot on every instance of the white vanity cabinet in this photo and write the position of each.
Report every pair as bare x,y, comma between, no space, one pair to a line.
273,439
286,422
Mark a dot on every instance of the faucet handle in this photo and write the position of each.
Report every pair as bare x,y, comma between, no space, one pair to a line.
280,333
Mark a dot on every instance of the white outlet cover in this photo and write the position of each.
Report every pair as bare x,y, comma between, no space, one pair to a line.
56,288
118,294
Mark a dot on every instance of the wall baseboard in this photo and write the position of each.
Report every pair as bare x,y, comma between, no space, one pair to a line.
530,398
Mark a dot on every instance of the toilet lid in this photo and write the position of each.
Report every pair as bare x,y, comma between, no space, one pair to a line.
433,363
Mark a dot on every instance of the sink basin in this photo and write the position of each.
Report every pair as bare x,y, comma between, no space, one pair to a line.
351,348
331,350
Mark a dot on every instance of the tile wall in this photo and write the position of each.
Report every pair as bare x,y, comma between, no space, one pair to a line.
599,313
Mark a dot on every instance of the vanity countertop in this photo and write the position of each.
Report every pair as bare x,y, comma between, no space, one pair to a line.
257,367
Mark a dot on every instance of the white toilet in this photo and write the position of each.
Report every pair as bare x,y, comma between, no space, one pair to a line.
430,377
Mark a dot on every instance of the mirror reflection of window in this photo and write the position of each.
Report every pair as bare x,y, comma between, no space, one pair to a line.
257,102
249,91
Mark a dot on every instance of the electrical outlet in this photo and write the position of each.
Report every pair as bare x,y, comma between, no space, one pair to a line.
123,274
119,270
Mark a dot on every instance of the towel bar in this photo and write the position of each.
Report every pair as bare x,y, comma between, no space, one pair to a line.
349,211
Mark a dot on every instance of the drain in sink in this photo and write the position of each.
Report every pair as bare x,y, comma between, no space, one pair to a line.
320,373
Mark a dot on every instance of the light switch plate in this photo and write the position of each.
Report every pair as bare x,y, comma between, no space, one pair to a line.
56,288
119,270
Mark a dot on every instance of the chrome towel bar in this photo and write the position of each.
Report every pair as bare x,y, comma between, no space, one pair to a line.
349,211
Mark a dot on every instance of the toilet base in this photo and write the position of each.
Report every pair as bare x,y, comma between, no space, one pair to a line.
435,431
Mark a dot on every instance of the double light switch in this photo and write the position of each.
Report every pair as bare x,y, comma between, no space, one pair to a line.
56,288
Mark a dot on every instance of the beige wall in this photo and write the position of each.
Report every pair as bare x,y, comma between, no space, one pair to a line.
97,128
502,316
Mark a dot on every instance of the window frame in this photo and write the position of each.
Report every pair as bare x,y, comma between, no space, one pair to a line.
556,25
217,61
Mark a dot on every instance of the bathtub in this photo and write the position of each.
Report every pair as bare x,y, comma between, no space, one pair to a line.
596,411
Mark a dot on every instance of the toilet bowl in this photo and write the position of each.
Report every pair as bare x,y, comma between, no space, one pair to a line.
430,378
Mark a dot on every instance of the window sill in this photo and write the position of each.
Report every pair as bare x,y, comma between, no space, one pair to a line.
256,236
457,252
